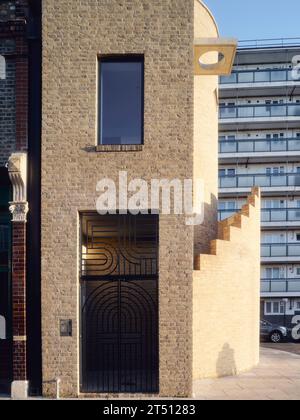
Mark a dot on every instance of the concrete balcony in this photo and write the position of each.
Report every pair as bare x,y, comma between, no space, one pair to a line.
259,116
280,218
280,287
259,150
280,253
253,82
269,184
272,218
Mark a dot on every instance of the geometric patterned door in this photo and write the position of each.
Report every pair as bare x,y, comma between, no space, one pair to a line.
119,304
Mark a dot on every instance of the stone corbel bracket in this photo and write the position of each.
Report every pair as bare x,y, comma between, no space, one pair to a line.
17,170
222,51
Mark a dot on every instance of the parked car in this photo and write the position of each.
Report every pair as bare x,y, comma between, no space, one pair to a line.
272,332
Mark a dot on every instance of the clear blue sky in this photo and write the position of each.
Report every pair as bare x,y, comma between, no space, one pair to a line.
257,19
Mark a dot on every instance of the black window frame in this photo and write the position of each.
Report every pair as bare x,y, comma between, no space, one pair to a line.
121,58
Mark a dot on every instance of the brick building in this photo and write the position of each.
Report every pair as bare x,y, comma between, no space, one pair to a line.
19,46
118,304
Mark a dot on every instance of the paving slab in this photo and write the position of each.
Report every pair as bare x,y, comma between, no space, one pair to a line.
276,378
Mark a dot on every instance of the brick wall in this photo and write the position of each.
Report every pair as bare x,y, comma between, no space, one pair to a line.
7,103
19,300
71,167
13,89
74,32
13,137
226,297
21,66
206,136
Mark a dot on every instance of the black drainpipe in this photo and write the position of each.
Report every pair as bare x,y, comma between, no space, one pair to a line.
34,352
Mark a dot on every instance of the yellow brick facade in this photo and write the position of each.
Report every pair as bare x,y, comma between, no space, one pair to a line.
74,33
181,135
206,135
226,297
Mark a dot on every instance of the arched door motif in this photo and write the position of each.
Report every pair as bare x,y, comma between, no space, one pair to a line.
119,304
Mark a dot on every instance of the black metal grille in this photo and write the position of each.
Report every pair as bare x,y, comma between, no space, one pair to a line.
119,295
119,245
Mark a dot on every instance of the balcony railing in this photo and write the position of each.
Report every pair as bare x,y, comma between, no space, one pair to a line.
280,285
258,76
259,145
269,43
259,111
280,250
281,215
269,215
260,180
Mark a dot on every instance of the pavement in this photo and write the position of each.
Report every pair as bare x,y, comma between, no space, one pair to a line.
288,347
276,378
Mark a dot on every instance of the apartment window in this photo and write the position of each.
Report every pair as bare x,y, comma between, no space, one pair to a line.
272,273
275,171
298,237
298,306
274,308
121,92
273,238
226,172
222,205
231,172
273,204
231,205
227,205
298,271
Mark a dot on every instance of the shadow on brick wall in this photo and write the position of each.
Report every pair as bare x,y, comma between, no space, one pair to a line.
226,362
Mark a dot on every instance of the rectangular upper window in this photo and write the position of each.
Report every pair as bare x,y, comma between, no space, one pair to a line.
121,101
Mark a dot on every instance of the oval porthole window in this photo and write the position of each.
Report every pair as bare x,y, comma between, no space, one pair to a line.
211,60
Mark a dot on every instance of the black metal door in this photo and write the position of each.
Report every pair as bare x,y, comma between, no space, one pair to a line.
119,298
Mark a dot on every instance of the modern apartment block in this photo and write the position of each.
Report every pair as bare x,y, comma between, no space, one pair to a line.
127,303
259,144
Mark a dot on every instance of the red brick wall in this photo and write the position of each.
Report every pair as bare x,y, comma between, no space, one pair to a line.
19,299
16,31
